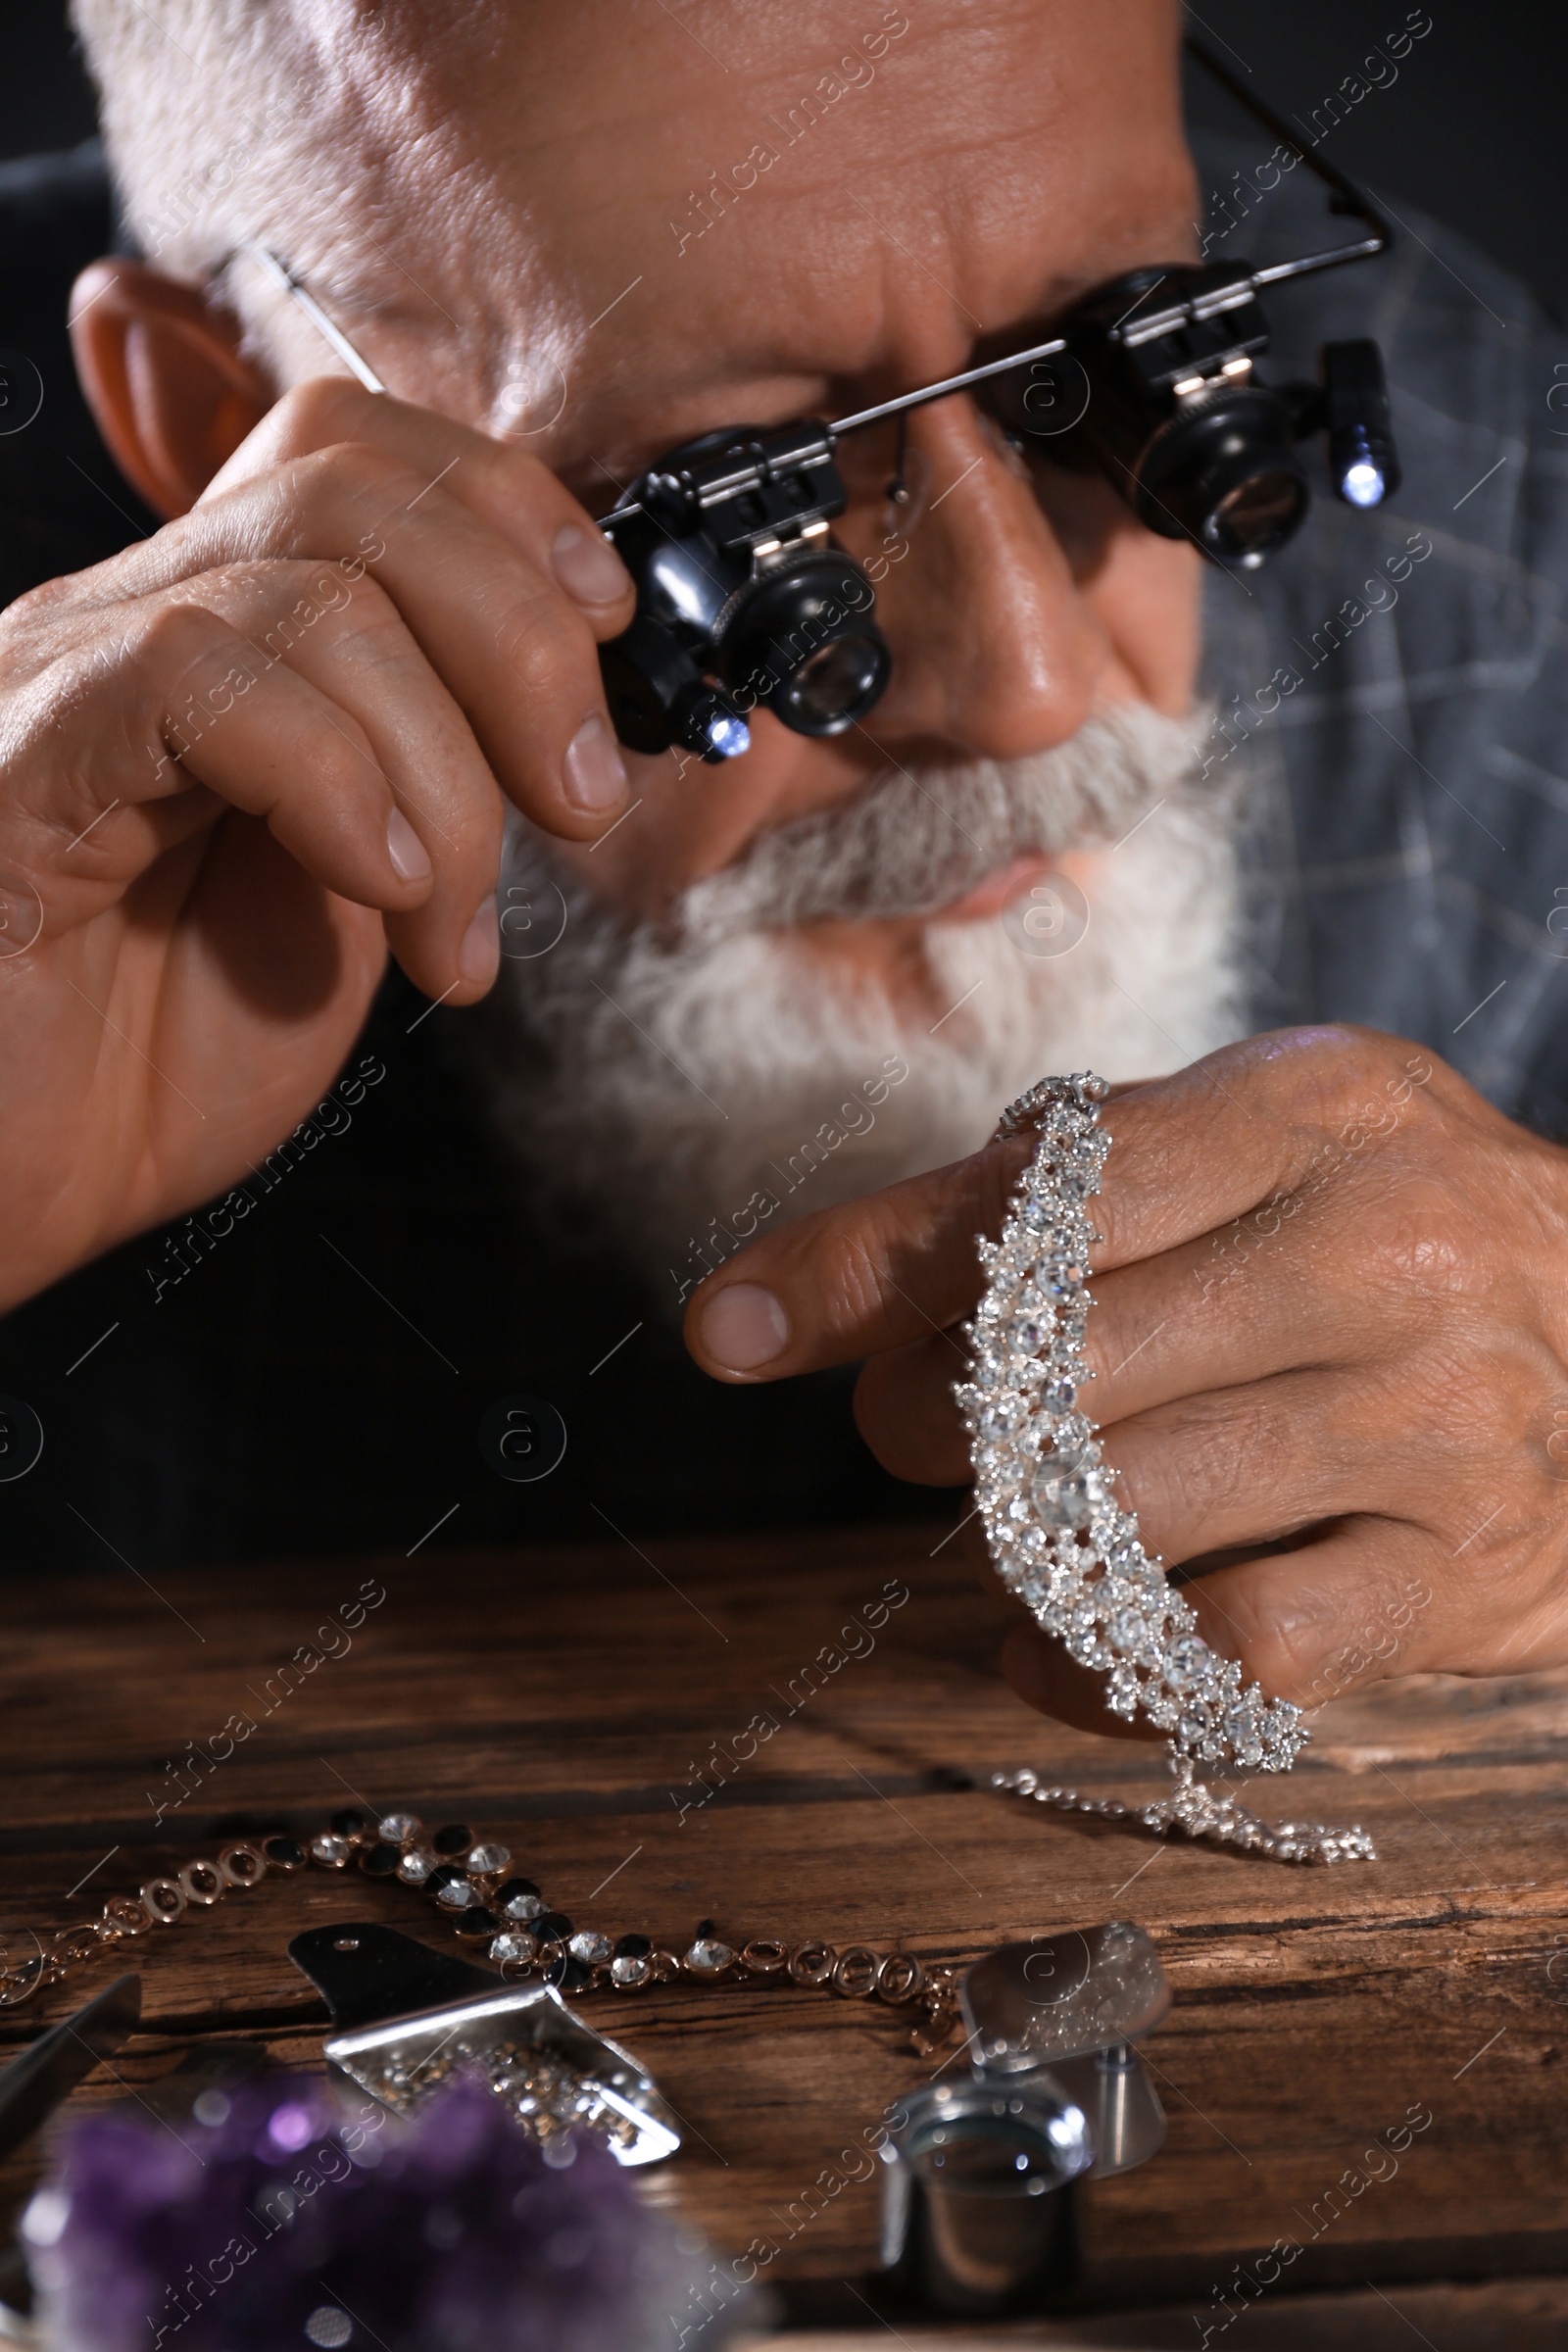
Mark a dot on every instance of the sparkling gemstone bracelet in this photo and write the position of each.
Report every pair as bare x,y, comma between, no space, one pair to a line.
1058,1537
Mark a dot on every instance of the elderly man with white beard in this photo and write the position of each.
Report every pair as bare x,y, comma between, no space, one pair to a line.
306,723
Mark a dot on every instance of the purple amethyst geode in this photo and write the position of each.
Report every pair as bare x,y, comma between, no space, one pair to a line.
270,2221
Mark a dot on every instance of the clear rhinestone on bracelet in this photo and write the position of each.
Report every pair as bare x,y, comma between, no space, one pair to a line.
1056,1533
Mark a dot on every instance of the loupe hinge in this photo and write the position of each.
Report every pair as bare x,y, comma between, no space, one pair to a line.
773,554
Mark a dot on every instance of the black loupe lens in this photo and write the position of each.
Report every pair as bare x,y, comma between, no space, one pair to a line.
1224,471
1257,516
801,639
834,687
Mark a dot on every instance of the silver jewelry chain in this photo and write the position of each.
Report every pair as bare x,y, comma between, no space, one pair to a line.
1056,1533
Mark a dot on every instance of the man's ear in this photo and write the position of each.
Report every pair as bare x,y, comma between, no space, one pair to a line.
164,379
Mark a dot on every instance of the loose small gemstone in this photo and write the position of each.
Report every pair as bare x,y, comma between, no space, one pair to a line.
708,1956
485,1860
520,1899
513,1944
415,1868
331,1852
1191,1728
630,1968
399,1829
589,1946
455,1839
285,1854
457,1894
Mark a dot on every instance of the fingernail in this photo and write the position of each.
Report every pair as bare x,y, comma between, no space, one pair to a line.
410,860
744,1325
594,773
479,955
588,566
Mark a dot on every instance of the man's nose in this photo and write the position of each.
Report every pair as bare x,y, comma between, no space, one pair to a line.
995,650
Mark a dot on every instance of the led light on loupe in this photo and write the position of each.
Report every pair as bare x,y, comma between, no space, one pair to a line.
1364,483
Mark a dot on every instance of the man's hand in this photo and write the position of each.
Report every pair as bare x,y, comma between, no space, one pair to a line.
1330,1346
240,761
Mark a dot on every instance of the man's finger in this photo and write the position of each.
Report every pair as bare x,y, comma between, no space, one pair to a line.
408,733
896,1266
1355,1604
1045,1679
904,1410
1292,1110
518,656
1254,1464
507,489
1361,1599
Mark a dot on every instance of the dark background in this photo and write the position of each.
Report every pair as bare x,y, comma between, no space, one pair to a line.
1471,131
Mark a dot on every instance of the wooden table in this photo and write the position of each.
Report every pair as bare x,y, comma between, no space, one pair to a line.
568,1705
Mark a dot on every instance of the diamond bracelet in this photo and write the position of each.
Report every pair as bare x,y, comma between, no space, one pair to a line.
1058,1537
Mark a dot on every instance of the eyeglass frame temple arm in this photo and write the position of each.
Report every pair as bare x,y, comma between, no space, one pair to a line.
287,283
1276,272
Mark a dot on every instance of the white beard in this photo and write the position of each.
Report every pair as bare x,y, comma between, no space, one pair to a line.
694,1084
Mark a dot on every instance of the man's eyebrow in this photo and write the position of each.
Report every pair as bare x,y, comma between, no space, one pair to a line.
764,394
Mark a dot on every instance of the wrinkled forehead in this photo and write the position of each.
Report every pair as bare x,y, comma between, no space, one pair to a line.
607,226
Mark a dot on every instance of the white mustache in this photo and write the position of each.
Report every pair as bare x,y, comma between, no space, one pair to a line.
910,843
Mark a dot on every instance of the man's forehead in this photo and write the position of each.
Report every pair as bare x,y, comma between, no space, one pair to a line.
742,214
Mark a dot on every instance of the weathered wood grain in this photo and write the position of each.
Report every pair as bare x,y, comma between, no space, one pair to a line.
572,1704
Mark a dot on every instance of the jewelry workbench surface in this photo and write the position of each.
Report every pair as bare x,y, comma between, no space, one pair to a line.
789,1735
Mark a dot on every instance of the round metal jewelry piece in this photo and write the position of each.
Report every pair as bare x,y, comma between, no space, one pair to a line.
632,1970
331,1852
164,1900
284,1853
812,1963
243,1864
204,1884
123,1915
592,1948
399,1829
856,1972
900,1978
1056,1535
457,1894
415,1867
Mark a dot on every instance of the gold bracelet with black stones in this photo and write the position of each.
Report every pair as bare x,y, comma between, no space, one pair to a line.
468,1882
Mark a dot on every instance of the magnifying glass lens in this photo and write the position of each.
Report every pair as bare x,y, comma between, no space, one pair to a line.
1258,515
836,684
